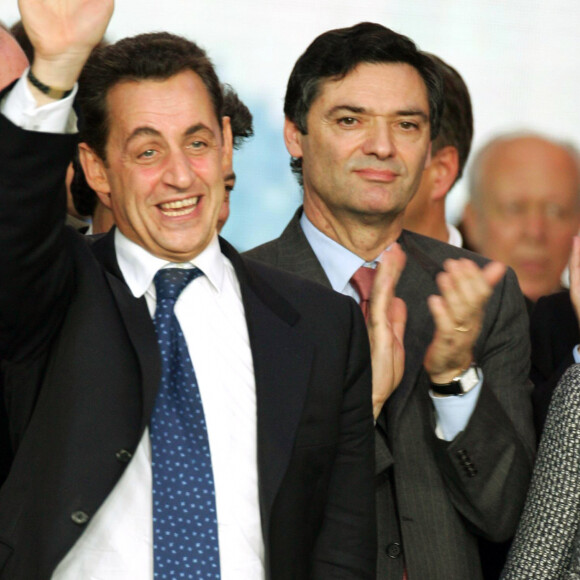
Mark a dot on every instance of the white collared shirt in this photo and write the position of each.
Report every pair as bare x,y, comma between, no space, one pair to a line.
117,543
212,318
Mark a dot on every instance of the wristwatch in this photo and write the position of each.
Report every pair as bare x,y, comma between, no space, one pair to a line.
461,384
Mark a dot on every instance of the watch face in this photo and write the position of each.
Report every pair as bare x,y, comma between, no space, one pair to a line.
469,379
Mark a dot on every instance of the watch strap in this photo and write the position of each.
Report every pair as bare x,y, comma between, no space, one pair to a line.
460,385
52,92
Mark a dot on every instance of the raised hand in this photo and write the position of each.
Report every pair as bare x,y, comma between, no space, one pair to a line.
386,326
63,33
458,314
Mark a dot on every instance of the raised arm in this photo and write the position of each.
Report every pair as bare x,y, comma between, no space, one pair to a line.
63,33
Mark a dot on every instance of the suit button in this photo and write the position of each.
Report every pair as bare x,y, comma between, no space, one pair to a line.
79,518
394,550
124,456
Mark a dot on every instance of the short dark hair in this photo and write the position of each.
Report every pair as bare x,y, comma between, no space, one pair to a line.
336,53
241,119
456,127
151,56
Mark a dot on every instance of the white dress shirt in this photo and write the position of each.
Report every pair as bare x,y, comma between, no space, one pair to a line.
117,543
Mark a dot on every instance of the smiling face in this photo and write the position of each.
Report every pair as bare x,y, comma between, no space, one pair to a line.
166,158
367,145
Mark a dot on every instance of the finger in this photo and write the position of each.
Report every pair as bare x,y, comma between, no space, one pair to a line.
388,274
398,318
469,282
444,321
494,272
469,287
455,296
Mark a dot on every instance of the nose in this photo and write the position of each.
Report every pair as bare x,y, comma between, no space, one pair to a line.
178,172
379,140
536,225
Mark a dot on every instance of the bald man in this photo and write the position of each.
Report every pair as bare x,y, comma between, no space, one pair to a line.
524,208
13,59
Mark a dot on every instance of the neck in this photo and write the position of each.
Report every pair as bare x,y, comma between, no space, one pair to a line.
364,235
103,219
430,222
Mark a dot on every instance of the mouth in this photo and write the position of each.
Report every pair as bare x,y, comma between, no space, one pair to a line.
536,267
380,175
179,207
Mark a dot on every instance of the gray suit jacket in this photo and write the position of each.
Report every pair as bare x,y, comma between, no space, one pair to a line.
547,543
435,498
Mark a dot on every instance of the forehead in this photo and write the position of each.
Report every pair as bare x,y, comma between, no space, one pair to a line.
383,88
166,105
530,167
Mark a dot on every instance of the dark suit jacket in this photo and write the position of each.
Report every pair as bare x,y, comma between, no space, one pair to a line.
447,494
81,371
554,332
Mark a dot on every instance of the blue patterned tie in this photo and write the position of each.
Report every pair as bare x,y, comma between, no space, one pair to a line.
184,509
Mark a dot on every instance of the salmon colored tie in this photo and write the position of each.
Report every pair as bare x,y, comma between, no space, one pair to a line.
362,281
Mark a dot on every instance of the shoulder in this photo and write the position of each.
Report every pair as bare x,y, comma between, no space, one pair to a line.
266,253
440,251
290,285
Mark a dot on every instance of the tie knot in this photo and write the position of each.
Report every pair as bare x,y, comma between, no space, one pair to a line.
362,281
170,282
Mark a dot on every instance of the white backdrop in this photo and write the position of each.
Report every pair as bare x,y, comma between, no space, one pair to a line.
518,57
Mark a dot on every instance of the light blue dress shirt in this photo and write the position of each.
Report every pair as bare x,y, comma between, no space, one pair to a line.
339,264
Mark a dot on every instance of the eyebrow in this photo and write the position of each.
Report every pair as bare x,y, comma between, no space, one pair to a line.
363,110
151,132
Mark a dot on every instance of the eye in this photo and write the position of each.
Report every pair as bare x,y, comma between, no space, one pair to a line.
408,125
347,121
197,145
147,154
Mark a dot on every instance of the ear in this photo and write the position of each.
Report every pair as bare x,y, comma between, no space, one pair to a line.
292,138
228,144
444,168
95,173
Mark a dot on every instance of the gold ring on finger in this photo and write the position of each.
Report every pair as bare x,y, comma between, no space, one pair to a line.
462,328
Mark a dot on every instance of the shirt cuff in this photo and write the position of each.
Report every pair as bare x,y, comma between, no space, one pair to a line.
453,413
20,107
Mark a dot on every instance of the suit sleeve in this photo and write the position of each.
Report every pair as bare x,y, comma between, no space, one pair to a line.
545,545
36,269
487,467
346,547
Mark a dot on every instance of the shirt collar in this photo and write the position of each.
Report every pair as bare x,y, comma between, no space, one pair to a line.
338,262
139,267
455,237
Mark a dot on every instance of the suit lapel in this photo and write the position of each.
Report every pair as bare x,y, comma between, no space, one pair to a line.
137,320
416,283
296,255
282,359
